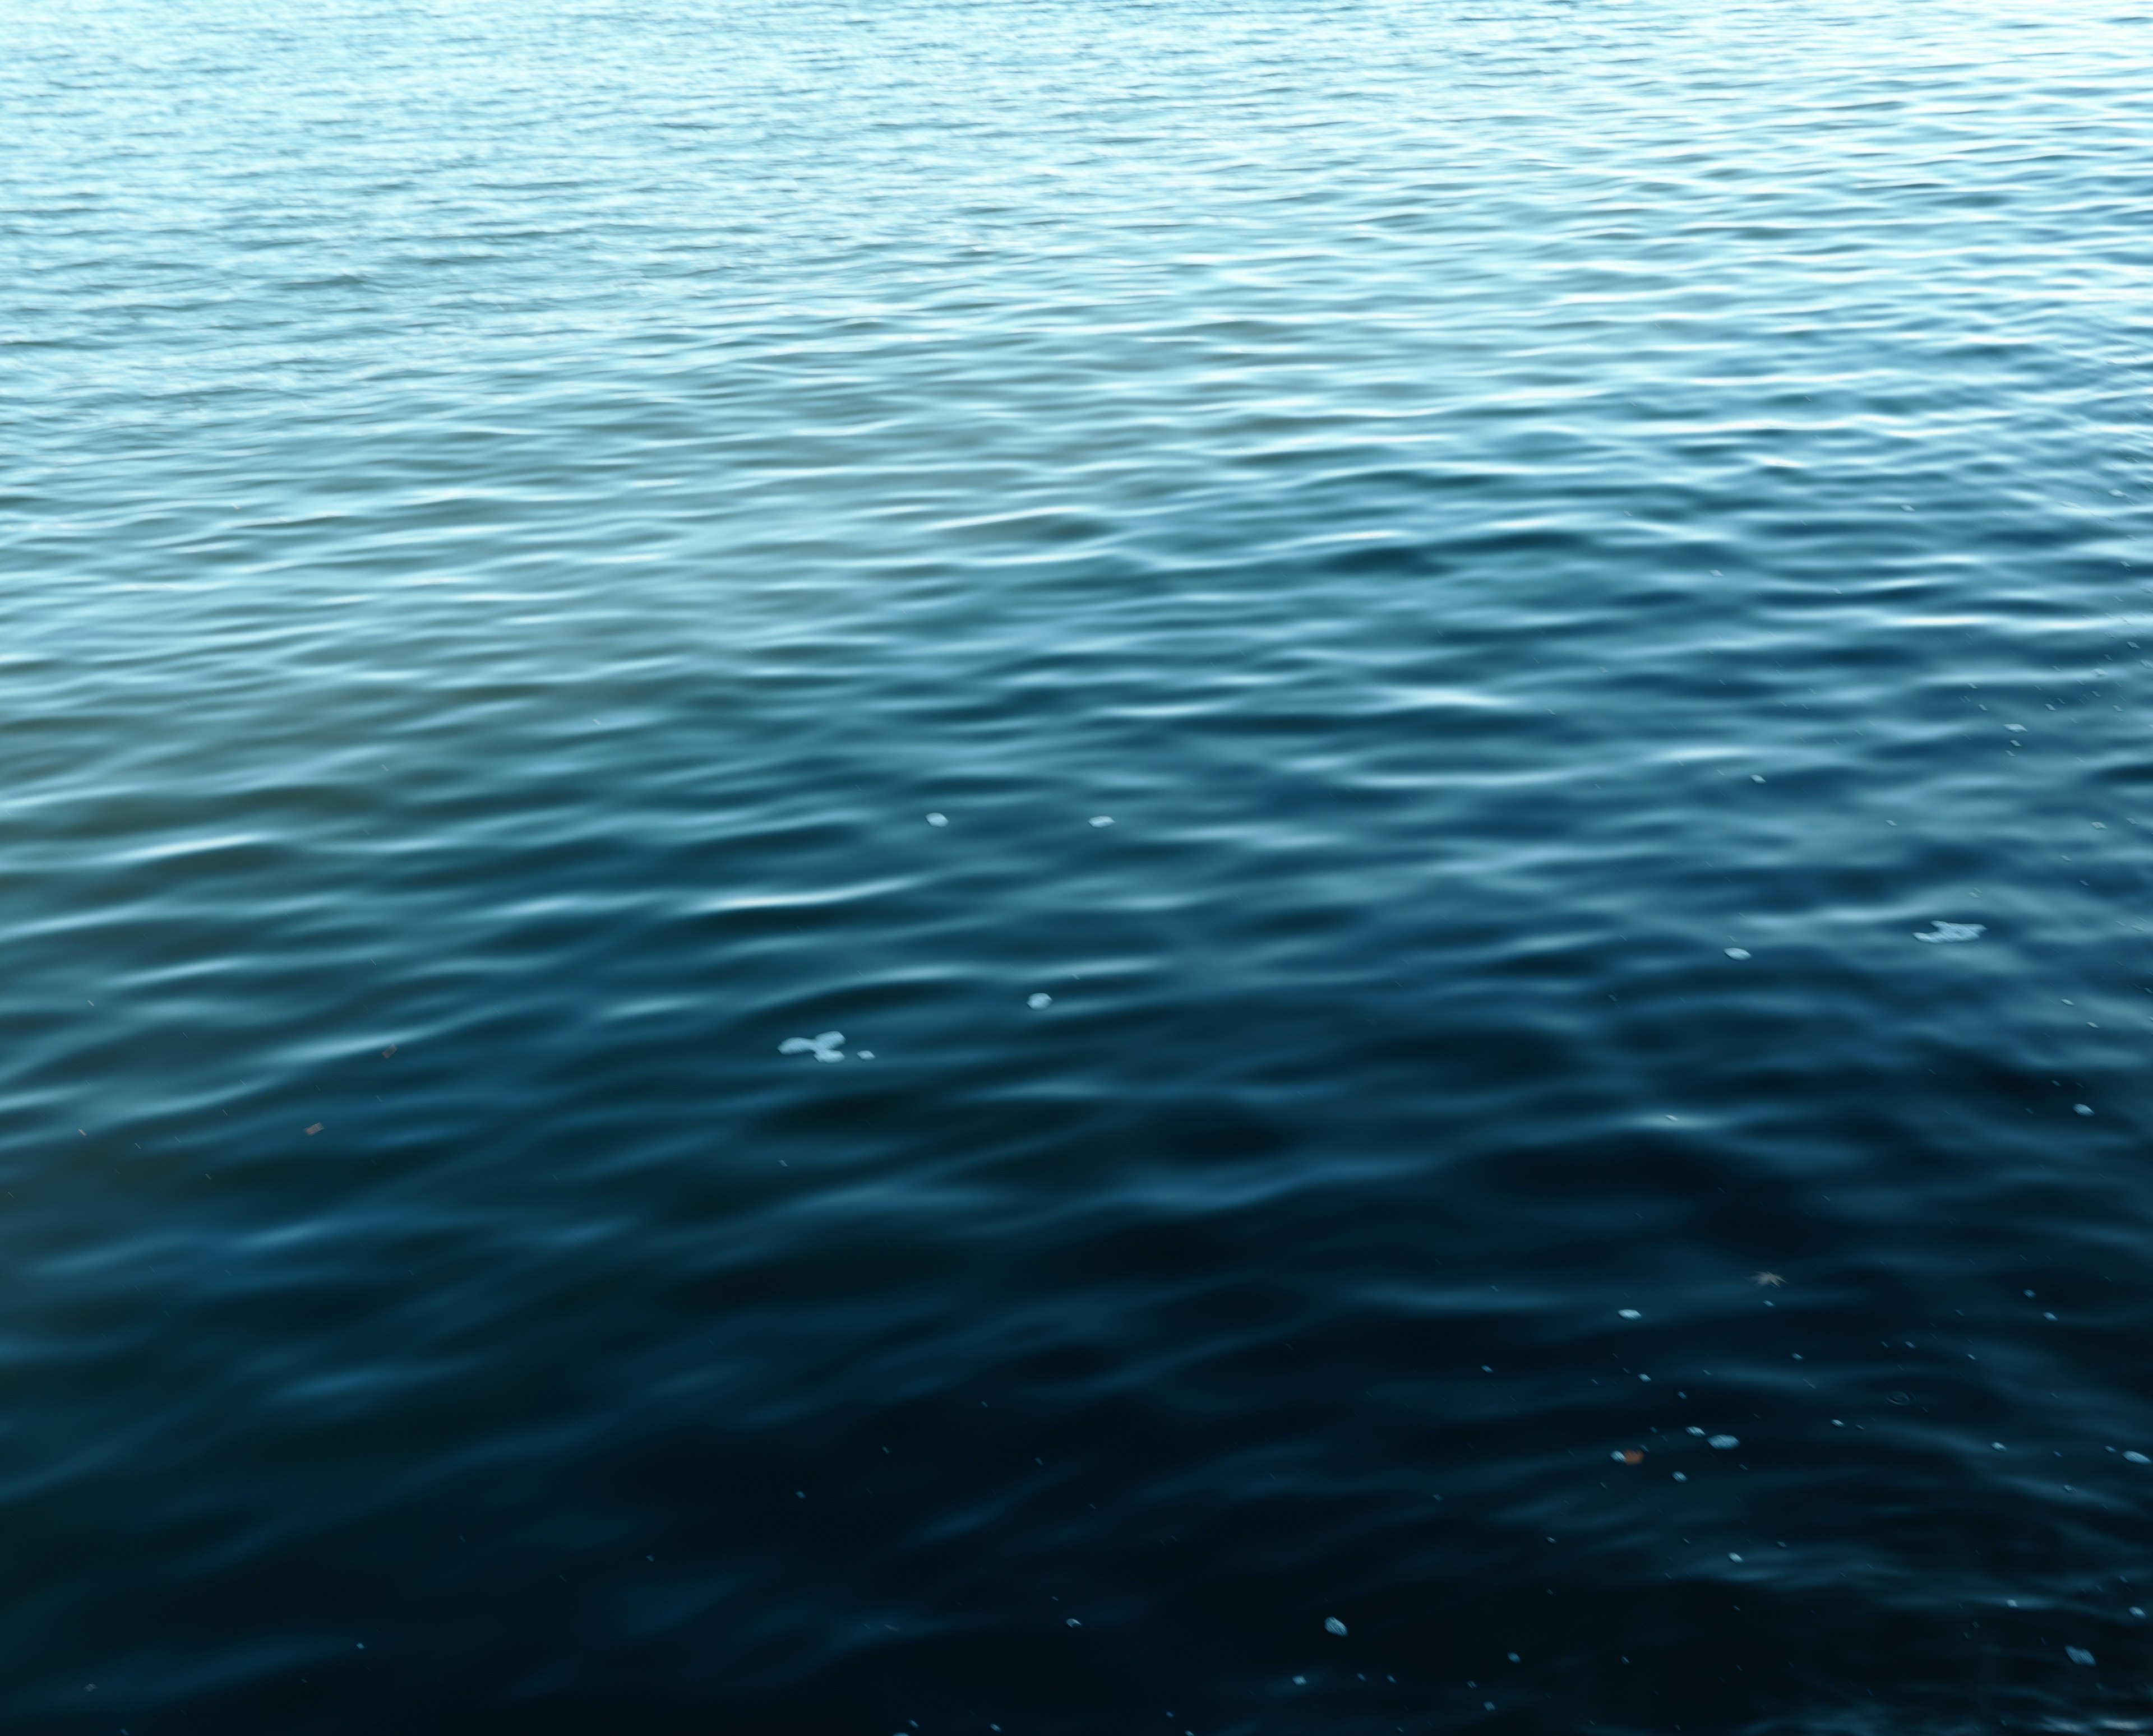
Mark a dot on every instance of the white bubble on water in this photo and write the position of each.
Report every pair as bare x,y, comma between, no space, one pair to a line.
937,819
1036,1002
1725,1443
1953,931
1331,1624
1738,952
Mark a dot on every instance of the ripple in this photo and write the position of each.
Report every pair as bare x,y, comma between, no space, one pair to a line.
1354,642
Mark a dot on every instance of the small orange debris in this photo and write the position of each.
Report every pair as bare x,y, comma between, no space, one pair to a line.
388,1051
1633,1455
316,1128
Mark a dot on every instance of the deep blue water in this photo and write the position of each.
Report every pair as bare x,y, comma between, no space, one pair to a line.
548,550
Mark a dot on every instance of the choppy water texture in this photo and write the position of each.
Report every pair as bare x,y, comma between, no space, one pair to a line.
551,548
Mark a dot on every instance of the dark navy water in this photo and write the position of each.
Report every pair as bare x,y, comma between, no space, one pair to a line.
906,868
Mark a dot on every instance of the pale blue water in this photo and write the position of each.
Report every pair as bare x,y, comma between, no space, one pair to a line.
1560,537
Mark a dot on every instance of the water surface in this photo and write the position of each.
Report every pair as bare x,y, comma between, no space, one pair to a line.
1347,646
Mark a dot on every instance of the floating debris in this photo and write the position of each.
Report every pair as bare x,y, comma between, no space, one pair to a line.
388,1051
1331,1624
1723,1442
1036,1002
1628,1455
1738,952
1953,931
825,1046
315,1129
2078,1654
1769,1279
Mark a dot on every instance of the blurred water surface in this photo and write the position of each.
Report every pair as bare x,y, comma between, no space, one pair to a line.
1348,643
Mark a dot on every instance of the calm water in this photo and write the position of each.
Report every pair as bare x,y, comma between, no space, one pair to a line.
1349,642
